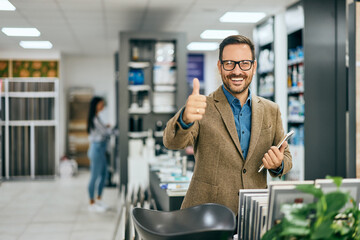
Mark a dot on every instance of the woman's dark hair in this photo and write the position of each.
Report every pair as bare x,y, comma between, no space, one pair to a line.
236,39
92,112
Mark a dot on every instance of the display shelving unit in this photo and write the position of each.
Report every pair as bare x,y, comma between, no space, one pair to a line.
295,86
30,146
77,137
264,39
152,86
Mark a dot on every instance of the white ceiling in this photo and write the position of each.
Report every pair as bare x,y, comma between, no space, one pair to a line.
91,27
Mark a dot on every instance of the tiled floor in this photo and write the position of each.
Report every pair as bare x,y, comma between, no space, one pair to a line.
54,209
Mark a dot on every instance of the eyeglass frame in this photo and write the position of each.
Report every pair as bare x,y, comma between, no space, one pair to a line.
237,63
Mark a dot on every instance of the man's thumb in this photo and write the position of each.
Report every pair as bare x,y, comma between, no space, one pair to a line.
196,87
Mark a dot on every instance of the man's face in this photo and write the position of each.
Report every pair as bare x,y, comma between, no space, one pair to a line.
237,81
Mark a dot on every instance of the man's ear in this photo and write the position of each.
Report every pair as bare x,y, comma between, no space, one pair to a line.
219,66
255,66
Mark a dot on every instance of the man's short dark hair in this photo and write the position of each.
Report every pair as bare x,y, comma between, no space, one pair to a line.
236,39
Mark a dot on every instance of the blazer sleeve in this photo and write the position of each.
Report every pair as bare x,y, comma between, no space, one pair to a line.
175,137
279,134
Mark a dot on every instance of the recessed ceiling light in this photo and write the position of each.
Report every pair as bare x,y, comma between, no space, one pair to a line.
21,32
5,5
36,44
203,46
217,34
244,17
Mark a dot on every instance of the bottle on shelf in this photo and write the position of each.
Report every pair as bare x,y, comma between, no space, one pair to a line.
294,76
149,152
135,53
289,80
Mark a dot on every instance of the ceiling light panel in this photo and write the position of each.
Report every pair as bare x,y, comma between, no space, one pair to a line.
242,17
21,32
217,34
203,46
36,44
5,5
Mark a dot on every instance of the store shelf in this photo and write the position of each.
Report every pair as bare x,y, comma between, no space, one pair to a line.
139,110
266,71
296,119
164,88
158,133
32,94
138,88
168,64
137,134
295,61
30,123
139,64
295,90
164,110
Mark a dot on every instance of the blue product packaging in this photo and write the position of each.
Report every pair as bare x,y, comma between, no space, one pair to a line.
136,77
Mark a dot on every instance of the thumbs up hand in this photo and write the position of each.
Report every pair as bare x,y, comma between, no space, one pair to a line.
195,105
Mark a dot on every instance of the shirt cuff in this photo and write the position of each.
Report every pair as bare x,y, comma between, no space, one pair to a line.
279,169
184,125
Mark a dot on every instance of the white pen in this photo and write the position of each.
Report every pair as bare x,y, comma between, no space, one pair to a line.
285,138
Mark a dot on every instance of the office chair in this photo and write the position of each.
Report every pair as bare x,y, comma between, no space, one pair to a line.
206,221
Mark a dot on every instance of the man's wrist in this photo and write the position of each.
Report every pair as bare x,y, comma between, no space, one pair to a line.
279,169
182,123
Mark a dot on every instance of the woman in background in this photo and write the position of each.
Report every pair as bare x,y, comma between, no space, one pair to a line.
99,135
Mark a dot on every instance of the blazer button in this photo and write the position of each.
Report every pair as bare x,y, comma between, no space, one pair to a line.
244,170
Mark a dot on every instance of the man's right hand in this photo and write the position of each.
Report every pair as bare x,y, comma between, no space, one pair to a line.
195,105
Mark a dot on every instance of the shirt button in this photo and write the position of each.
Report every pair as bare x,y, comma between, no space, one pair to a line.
243,132
240,114
244,170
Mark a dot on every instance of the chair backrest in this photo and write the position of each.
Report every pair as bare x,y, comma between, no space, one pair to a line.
206,221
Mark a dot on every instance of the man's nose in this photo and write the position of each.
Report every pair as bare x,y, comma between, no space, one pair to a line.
237,68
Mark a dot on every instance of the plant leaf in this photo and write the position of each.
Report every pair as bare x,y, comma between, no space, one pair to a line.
311,189
295,231
337,180
323,231
335,201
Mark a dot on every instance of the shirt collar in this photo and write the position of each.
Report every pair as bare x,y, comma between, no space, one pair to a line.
231,98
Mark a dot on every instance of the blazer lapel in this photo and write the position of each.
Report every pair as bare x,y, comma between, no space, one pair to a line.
222,105
256,123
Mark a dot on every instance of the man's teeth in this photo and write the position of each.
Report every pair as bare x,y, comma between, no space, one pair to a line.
237,79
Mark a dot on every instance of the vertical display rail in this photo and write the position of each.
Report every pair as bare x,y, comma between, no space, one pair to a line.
57,124
32,150
7,144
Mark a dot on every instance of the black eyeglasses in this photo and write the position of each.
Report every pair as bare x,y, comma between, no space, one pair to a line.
230,65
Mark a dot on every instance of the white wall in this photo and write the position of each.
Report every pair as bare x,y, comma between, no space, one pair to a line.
212,77
94,72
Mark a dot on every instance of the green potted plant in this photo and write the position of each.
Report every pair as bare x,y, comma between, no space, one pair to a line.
325,219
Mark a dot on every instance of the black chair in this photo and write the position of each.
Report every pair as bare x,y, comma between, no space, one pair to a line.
206,221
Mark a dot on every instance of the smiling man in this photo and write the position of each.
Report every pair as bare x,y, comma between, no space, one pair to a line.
232,130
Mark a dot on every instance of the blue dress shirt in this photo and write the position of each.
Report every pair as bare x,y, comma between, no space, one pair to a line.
242,117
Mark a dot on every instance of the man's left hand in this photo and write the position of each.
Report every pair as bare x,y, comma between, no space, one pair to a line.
274,157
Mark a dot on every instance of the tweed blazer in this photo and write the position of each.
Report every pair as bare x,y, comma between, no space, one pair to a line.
220,168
